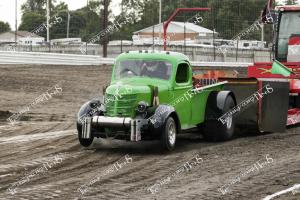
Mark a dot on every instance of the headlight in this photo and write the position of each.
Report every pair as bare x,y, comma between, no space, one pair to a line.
142,106
95,103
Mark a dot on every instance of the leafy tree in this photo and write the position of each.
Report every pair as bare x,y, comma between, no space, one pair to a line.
59,20
34,6
61,7
143,13
59,27
34,15
4,27
290,2
228,17
84,22
38,6
94,19
31,21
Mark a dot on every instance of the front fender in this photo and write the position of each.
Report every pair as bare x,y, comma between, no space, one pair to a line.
161,114
90,108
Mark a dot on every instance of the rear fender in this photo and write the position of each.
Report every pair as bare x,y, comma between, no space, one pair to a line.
222,96
215,104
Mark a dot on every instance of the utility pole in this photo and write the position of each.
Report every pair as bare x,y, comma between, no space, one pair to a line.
214,30
16,25
105,22
122,11
87,16
48,19
184,35
262,32
160,19
68,25
153,42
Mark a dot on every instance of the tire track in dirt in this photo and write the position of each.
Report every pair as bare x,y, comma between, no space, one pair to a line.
221,161
28,148
31,155
133,174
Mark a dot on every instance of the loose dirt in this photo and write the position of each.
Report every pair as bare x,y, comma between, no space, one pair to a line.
48,129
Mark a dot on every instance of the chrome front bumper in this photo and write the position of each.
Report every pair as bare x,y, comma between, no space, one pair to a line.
114,122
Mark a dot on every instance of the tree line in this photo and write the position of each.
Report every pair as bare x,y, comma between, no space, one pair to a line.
227,17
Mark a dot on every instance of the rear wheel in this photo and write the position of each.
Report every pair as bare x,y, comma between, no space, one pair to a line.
215,130
169,132
83,142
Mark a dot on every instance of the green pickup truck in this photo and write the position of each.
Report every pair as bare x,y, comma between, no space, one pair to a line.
154,96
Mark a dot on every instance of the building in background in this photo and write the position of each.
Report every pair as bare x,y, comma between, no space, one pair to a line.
23,38
194,34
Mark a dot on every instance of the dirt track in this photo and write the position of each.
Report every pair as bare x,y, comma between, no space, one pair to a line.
48,130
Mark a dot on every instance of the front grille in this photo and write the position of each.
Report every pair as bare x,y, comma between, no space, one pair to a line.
121,106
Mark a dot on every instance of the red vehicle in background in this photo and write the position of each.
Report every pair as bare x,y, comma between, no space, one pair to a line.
286,20
274,111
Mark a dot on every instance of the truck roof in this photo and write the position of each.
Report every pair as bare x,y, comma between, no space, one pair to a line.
288,8
156,55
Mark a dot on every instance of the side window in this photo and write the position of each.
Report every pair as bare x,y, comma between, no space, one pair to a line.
182,74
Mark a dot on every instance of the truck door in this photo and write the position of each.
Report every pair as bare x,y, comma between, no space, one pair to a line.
182,100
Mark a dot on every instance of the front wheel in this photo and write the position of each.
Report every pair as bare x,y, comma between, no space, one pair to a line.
215,130
169,132
83,142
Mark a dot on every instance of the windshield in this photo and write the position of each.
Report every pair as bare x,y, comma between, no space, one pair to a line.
289,24
143,68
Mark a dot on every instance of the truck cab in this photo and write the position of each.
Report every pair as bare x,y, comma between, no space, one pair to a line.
287,37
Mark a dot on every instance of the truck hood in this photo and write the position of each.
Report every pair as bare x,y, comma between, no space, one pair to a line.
122,97
139,85
123,88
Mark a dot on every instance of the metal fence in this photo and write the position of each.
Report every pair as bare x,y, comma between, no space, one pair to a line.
70,59
227,18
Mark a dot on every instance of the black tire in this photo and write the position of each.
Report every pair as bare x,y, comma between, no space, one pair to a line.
214,130
83,142
168,135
